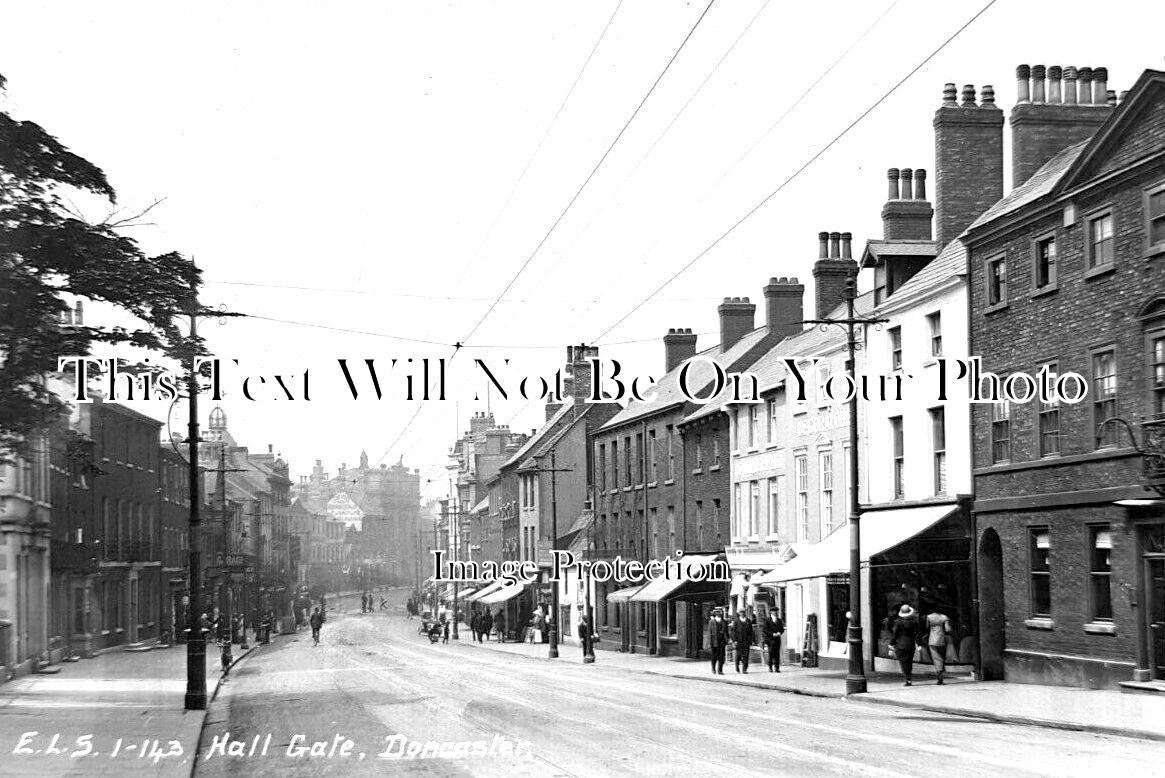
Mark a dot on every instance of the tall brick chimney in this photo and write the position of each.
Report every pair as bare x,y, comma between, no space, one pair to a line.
968,155
580,370
1055,108
678,344
737,319
907,213
784,306
832,270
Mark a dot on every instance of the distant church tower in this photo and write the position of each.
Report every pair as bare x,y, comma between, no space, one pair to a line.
363,461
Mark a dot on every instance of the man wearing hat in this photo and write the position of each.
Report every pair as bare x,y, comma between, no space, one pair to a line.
903,639
717,640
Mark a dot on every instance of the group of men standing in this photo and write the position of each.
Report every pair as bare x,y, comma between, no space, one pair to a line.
741,633
484,622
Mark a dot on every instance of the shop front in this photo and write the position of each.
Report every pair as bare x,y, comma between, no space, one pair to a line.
677,606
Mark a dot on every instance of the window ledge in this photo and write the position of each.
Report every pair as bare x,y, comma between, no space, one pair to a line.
714,468
652,484
698,471
1045,290
669,482
1155,251
996,308
1100,270
1039,623
626,488
1100,628
774,538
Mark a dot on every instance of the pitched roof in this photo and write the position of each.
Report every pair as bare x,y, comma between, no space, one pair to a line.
700,375
769,368
1042,182
541,433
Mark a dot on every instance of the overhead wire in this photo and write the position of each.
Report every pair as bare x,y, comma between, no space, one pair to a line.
795,174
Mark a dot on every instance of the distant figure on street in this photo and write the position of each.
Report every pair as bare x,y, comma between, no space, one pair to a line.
500,625
487,624
717,640
903,639
411,608
383,604
773,628
586,635
742,636
938,627
317,621
444,628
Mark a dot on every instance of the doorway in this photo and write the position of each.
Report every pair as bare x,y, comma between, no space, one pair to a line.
991,619
1155,569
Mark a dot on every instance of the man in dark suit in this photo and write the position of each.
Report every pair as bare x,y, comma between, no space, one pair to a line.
742,636
717,640
772,630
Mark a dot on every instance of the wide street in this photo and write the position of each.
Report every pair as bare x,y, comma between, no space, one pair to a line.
373,677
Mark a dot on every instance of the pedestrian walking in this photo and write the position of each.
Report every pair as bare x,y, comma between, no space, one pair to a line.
317,621
938,626
500,625
717,640
586,635
444,628
743,636
773,629
904,639
487,624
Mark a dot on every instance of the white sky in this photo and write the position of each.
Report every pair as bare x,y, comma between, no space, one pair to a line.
364,151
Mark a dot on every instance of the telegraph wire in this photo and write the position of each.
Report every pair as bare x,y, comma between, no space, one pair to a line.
798,171
538,148
594,170
802,97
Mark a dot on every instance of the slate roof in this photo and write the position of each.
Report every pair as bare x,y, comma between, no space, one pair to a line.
667,389
1042,182
521,454
898,248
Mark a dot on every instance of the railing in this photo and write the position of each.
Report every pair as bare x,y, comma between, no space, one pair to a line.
1153,450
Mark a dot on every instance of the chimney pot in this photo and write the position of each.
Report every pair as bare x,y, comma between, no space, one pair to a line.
823,249
834,245
968,95
846,245
784,307
905,185
1070,85
736,320
1038,73
1100,86
920,180
1084,86
1110,98
987,96
1055,73
1023,75
892,184
950,93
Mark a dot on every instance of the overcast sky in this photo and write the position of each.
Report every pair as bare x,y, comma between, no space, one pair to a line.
359,166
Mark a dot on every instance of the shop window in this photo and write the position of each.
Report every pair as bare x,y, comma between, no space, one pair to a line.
669,619
1104,395
1101,249
1100,572
1041,573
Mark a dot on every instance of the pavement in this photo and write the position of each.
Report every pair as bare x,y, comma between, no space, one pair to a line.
120,713
1057,707
375,691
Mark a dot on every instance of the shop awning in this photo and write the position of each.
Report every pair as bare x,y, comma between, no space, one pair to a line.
622,595
663,588
881,530
501,594
484,591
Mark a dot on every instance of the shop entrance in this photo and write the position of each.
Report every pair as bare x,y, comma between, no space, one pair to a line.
1156,579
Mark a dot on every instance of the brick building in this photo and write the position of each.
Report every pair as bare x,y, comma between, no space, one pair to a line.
1066,275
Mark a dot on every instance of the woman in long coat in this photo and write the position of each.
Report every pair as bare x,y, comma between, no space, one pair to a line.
904,639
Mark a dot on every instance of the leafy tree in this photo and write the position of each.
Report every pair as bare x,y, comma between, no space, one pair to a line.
47,251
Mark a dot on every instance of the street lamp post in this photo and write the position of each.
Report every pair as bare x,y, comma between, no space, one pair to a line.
554,470
196,640
855,680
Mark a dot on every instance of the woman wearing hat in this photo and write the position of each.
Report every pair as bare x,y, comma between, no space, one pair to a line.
903,638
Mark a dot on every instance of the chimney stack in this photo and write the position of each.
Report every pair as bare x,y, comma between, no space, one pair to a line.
1075,106
784,306
906,214
737,316
968,153
679,344
578,357
830,273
